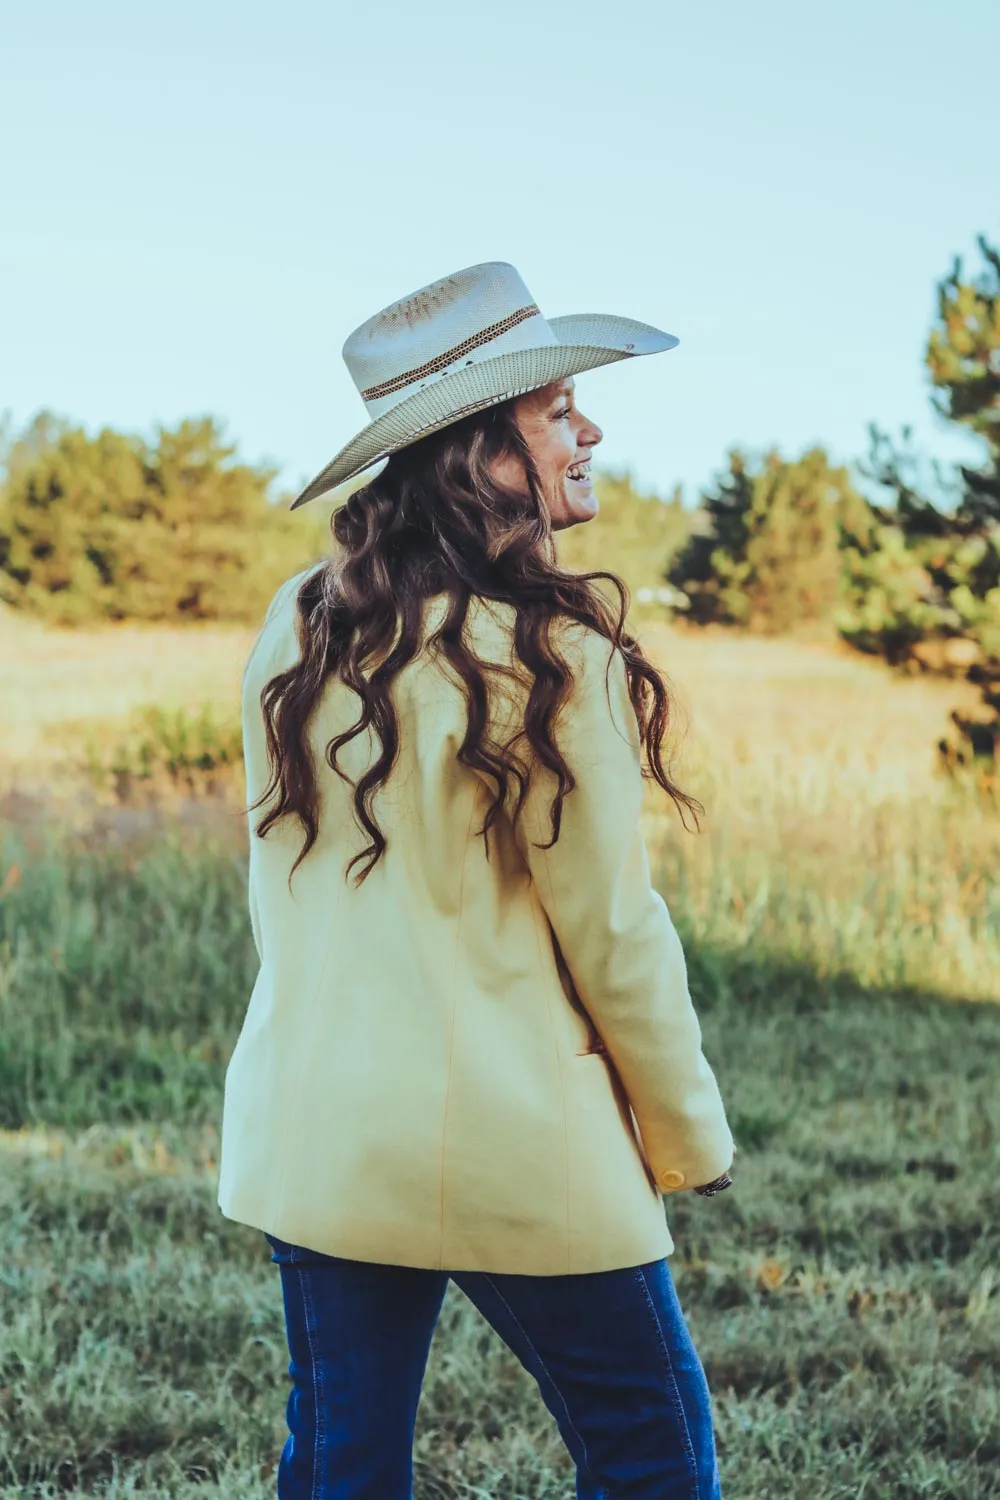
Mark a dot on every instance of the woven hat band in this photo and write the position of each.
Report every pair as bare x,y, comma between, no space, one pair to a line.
449,326
442,361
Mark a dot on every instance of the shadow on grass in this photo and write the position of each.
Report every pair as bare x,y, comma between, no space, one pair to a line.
125,972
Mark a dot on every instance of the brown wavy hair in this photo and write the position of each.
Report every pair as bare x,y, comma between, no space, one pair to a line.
435,520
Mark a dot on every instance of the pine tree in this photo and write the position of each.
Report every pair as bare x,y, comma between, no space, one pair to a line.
635,534
767,557
112,527
963,357
944,611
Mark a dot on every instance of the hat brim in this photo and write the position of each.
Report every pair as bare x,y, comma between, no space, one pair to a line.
586,341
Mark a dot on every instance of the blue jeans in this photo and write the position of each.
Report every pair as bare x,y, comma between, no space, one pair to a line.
609,1350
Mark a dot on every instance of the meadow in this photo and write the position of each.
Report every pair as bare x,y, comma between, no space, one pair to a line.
841,917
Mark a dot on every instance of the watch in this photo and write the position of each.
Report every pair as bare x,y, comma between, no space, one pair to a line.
709,1189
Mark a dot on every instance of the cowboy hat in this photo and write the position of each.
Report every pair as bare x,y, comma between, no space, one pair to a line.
472,339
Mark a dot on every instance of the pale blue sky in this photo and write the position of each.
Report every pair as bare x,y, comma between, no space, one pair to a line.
200,201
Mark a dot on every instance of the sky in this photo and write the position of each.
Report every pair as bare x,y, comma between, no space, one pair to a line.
201,201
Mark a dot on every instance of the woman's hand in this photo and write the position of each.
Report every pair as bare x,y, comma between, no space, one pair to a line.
718,1184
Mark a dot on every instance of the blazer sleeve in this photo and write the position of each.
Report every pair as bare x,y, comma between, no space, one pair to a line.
614,929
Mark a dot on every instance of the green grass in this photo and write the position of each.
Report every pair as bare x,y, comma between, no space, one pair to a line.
164,749
843,1295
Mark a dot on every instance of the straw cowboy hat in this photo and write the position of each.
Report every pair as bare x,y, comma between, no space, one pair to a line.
472,339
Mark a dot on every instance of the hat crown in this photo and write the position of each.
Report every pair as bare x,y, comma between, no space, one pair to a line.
471,315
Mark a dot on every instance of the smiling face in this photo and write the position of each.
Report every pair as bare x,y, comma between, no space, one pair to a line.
561,440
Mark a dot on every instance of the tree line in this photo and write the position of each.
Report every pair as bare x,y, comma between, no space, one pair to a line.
792,545
115,526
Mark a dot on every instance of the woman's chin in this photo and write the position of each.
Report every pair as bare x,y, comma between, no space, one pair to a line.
581,506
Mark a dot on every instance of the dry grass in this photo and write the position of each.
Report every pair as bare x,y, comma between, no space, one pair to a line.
53,682
829,834
786,709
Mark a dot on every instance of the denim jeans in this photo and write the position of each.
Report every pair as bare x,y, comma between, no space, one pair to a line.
609,1350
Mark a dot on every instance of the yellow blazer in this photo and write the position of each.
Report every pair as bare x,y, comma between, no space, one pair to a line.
418,1079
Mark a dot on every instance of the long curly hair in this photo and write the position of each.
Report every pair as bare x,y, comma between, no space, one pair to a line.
435,520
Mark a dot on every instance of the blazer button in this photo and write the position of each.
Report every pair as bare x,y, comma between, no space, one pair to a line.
671,1179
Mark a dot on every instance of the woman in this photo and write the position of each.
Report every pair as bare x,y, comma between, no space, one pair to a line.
475,1057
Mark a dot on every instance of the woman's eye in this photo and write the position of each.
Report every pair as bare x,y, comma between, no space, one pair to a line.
564,413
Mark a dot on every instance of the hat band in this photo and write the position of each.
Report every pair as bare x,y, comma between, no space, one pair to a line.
441,361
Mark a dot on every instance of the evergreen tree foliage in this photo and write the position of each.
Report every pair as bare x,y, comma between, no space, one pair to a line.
112,527
916,574
963,358
768,556
16,452
636,533
923,585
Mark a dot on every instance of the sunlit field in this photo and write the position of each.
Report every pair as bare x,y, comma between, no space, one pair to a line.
841,917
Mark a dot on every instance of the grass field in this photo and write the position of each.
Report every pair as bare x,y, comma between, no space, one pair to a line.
841,916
